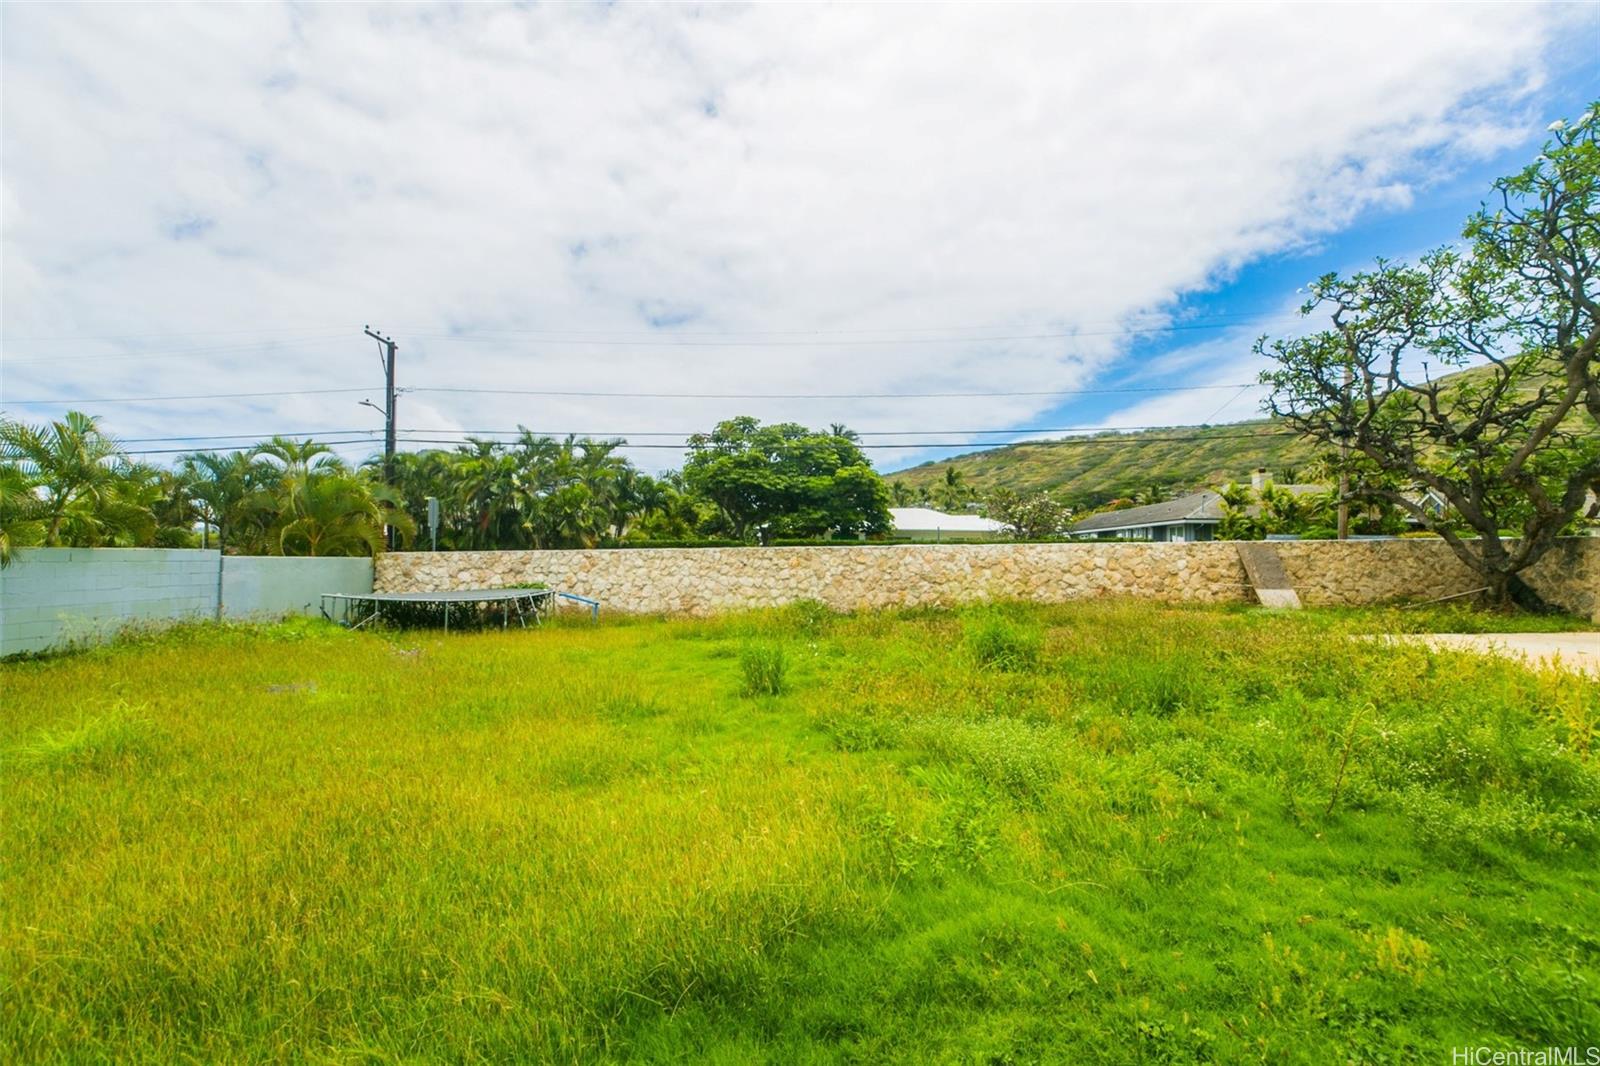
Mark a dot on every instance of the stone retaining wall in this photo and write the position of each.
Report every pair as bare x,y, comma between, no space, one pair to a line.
706,580
1379,571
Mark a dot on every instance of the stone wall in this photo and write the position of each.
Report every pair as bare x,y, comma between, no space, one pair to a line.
1379,571
705,580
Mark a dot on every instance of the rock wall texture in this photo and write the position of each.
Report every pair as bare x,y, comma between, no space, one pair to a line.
706,580
1379,571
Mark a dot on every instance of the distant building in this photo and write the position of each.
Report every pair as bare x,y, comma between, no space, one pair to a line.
924,523
1187,518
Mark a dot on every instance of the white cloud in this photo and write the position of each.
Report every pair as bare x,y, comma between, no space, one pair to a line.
286,174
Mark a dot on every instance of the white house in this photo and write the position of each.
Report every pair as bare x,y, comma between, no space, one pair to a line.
924,523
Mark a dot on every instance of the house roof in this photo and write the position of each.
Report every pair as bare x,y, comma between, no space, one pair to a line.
921,518
1196,507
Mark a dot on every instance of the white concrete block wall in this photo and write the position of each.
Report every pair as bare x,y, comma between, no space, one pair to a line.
50,596
259,586
55,596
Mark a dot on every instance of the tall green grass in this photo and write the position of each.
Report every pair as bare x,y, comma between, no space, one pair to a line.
1016,834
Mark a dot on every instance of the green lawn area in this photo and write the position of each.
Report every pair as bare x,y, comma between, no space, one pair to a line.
1102,833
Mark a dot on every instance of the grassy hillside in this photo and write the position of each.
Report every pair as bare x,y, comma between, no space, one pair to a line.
1092,470
1089,471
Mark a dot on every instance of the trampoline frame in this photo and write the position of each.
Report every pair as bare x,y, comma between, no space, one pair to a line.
525,603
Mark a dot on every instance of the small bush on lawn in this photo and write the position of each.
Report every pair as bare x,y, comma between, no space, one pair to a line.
996,641
765,667
119,736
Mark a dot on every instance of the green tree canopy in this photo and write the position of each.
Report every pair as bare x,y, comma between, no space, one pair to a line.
1513,447
784,480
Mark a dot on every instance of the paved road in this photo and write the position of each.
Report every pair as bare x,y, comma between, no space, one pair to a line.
1578,651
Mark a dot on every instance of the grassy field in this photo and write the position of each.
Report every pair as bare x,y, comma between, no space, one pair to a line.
1013,834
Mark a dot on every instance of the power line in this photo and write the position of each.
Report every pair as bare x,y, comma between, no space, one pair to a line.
625,434
1217,321
880,341
180,353
198,396
639,395
186,333
304,433
971,445
1221,320
822,395
681,340
184,451
596,434
974,445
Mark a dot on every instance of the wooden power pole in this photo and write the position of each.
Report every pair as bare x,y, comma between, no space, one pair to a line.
388,348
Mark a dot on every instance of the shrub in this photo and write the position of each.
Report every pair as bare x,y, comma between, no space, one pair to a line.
1020,761
808,617
765,667
120,736
998,642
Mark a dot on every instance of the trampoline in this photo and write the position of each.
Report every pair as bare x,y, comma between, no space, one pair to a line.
470,608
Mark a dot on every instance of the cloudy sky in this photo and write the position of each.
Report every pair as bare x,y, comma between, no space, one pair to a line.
920,221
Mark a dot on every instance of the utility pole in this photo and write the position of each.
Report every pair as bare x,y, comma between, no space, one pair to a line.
387,348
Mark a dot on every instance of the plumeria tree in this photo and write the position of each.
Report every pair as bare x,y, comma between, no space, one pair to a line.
1513,446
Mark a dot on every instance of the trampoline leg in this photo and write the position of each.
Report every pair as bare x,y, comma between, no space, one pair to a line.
447,616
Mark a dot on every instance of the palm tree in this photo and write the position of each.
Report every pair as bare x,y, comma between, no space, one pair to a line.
419,475
79,471
231,493
953,492
296,463
21,511
300,458
339,513
601,472
486,486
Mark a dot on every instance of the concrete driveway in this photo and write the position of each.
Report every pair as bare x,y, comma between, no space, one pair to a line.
1576,651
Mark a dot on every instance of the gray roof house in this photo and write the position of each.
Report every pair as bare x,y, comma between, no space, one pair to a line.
1187,518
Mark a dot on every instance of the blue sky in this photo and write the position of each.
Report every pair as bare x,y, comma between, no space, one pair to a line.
1264,294
639,220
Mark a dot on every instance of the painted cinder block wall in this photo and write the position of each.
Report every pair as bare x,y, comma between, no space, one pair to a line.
272,586
51,596
55,596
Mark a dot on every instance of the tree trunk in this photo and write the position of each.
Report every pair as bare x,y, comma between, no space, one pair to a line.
1506,591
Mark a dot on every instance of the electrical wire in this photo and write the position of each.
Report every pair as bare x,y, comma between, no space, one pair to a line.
1212,321
971,445
180,353
976,445
820,395
482,336
197,396
655,338
462,390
